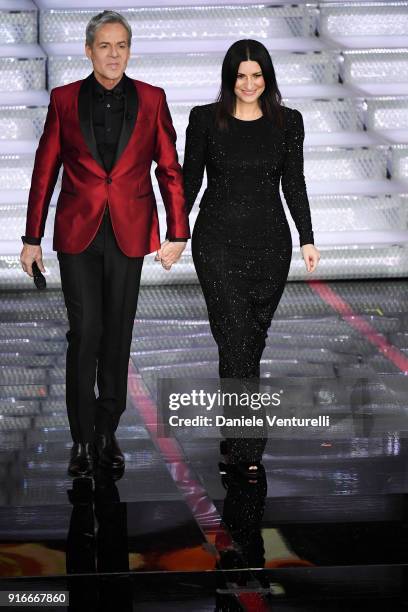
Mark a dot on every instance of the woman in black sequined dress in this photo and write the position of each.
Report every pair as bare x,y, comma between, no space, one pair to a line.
241,243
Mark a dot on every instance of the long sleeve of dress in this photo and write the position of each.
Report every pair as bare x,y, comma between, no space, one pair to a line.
293,180
194,157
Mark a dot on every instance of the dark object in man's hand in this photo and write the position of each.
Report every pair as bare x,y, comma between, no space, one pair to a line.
39,278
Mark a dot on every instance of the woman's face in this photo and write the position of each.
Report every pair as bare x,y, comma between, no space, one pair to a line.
250,82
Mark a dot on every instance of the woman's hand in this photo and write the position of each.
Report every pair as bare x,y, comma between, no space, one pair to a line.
311,256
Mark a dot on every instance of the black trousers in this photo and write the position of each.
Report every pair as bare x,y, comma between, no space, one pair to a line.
242,286
101,288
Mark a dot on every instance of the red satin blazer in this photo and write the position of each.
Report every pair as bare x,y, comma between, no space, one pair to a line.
147,135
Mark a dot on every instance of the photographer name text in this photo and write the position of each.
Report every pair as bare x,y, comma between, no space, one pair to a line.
251,421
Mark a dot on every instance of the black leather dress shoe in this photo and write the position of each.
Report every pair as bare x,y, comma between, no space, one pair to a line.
108,452
82,459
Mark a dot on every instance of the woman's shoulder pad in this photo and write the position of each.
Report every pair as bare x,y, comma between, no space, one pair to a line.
291,113
204,109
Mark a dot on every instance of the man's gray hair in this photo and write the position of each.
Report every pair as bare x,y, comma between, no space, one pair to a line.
100,20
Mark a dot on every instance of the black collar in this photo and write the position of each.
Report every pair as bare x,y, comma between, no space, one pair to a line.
100,91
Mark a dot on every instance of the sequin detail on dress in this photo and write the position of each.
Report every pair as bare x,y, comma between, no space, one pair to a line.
244,167
241,242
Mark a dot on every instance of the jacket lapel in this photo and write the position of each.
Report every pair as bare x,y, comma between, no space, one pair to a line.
130,116
85,117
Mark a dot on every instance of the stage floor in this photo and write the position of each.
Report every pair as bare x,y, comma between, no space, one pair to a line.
325,529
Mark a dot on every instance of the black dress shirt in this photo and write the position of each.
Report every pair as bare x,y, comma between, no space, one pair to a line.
108,106
108,109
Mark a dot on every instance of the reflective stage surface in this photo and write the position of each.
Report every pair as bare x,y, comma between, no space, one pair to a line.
324,526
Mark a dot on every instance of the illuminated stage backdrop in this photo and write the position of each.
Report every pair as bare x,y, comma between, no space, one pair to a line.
343,65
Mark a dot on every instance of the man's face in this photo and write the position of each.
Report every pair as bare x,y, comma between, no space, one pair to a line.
110,51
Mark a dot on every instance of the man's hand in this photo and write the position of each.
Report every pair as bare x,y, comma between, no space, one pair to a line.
169,253
29,254
311,256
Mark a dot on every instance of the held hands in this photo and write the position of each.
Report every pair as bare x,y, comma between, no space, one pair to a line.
311,256
169,253
29,254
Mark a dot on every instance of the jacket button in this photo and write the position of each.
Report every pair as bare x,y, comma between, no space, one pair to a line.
109,180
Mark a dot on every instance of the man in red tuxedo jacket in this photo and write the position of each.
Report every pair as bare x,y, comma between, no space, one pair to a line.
105,130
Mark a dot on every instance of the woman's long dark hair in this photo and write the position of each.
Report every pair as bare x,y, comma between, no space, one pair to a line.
270,99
